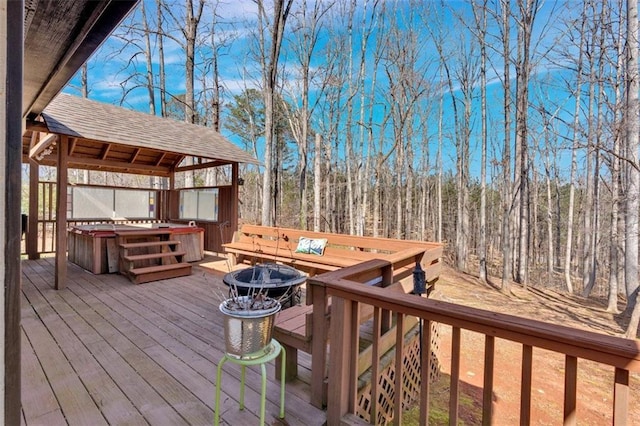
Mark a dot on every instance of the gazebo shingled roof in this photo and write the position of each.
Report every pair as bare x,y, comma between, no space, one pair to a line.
112,138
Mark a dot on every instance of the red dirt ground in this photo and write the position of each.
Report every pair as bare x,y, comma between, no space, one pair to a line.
595,383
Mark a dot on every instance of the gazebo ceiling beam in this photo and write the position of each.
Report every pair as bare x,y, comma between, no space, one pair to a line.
164,154
135,156
35,137
37,126
105,151
72,145
94,163
200,166
38,150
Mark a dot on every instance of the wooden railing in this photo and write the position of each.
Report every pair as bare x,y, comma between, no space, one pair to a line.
348,295
46,230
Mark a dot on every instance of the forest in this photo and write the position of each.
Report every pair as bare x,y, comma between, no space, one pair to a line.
507,129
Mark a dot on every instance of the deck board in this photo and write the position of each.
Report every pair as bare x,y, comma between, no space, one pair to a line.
106,351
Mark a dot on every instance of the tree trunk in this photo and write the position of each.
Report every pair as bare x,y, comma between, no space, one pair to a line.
523,65
317,182
633,185
506,156
550,251
616,251
149,61
574,154
161,71
270,73
481,24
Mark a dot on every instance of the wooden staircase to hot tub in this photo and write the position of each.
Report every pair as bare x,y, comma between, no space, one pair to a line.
150,255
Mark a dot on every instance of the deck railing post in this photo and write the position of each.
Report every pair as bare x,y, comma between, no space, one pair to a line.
387,280
620,396
319,344
340,389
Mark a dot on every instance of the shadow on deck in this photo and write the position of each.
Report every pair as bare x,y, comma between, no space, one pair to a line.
106,351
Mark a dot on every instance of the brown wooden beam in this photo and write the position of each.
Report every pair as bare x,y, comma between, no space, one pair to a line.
164,154
105,151
203,166
32,229
72,145
37,126
62,178
135,156
235,196
11,131
45,140
35,137
82,163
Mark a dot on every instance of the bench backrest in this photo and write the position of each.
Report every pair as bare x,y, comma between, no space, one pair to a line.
287,240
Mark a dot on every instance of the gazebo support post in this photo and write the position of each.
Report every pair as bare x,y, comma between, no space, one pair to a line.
62,178
31,236
236,197
11,129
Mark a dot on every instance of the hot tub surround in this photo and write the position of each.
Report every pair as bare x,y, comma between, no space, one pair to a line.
93,247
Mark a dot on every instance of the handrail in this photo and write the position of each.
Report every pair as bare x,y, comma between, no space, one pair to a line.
623,354
380,272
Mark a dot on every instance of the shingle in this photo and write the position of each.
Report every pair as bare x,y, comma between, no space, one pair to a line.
83,118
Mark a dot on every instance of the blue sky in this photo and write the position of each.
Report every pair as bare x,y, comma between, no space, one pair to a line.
108,70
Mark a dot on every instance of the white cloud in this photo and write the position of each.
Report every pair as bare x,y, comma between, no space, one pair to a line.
240,9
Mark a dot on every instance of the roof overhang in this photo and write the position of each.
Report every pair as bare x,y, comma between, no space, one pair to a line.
110,138
59,36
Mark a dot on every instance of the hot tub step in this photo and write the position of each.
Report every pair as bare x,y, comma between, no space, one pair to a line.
149,244
160,272
150,256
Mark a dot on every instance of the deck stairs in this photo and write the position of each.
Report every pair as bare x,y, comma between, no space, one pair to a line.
151,255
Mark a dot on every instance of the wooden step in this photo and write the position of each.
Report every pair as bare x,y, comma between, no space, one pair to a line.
149,256
143,233
160,272
149,244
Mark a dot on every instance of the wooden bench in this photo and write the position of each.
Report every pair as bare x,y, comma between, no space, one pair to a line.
254,243
305,327
154,257
292,328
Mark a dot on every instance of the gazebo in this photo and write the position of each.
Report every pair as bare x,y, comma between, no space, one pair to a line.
77,133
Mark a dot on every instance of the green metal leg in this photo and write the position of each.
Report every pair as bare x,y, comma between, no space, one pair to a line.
279,350
282,378
263,399
216,421
243,373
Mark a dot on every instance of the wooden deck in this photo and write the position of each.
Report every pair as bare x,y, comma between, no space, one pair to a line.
106,351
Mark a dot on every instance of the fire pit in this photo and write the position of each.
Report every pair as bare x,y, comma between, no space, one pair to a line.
273,279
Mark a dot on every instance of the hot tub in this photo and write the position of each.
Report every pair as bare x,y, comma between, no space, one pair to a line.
93,247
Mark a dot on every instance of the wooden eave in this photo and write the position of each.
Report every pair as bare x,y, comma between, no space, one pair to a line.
59,36
87,154
110,138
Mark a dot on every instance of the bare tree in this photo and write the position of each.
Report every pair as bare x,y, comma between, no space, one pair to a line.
317,181
616,248
307,23
481,27
507,201
465,74
269,57
633,182
527,12
595,53
405,73
574,152
161,70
